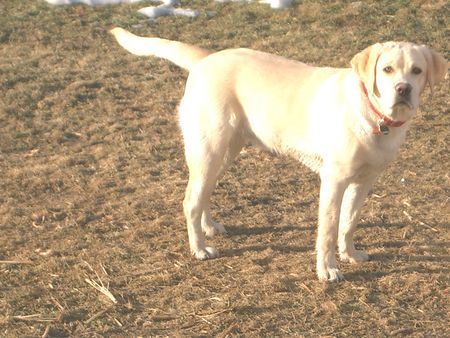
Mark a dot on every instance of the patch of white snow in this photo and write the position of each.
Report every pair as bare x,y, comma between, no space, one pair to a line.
164,10
91,2
277,4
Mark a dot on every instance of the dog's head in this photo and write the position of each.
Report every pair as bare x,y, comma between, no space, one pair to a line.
396,73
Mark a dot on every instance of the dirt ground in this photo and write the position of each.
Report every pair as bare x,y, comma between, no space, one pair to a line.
92,177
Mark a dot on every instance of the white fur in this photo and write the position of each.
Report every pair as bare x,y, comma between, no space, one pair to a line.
318,115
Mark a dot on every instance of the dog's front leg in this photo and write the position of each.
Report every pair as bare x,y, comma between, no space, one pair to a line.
331,192
352,203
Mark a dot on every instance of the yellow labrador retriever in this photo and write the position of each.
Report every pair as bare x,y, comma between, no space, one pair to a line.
346,124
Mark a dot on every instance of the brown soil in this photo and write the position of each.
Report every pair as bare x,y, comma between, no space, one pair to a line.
92,177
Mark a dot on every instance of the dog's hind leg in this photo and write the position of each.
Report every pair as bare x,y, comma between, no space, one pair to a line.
207,132
211,228
200,186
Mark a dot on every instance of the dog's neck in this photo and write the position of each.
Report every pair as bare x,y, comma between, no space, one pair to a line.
382,121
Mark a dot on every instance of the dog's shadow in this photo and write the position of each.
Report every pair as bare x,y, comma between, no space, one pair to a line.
389,255
405,263
364,275
240,230
234,231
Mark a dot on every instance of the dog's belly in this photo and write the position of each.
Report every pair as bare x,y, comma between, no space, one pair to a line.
310,159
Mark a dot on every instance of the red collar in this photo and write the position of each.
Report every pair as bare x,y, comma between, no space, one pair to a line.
383,122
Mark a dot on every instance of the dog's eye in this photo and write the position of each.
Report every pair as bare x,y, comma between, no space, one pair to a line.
416,70
388,69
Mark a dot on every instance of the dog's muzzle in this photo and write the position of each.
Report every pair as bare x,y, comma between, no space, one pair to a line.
403,89
403,97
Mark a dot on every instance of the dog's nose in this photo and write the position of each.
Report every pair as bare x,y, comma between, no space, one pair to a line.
403,89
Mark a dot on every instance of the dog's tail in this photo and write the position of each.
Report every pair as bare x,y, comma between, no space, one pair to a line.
181,54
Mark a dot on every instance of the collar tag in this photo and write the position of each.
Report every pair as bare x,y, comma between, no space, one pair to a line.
384,129
384,122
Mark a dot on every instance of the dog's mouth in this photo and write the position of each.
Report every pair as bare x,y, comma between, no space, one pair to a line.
402,110
403,104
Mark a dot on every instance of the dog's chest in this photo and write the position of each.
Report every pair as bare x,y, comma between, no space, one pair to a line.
383,149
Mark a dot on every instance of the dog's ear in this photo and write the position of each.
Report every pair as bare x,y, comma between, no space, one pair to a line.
364,64
437,66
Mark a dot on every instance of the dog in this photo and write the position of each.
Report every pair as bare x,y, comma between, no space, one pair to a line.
346,124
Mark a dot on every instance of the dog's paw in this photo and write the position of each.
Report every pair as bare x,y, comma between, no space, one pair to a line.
206,253
214,229
357,256
330,275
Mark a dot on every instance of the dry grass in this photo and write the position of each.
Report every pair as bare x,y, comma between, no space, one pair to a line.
92,177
